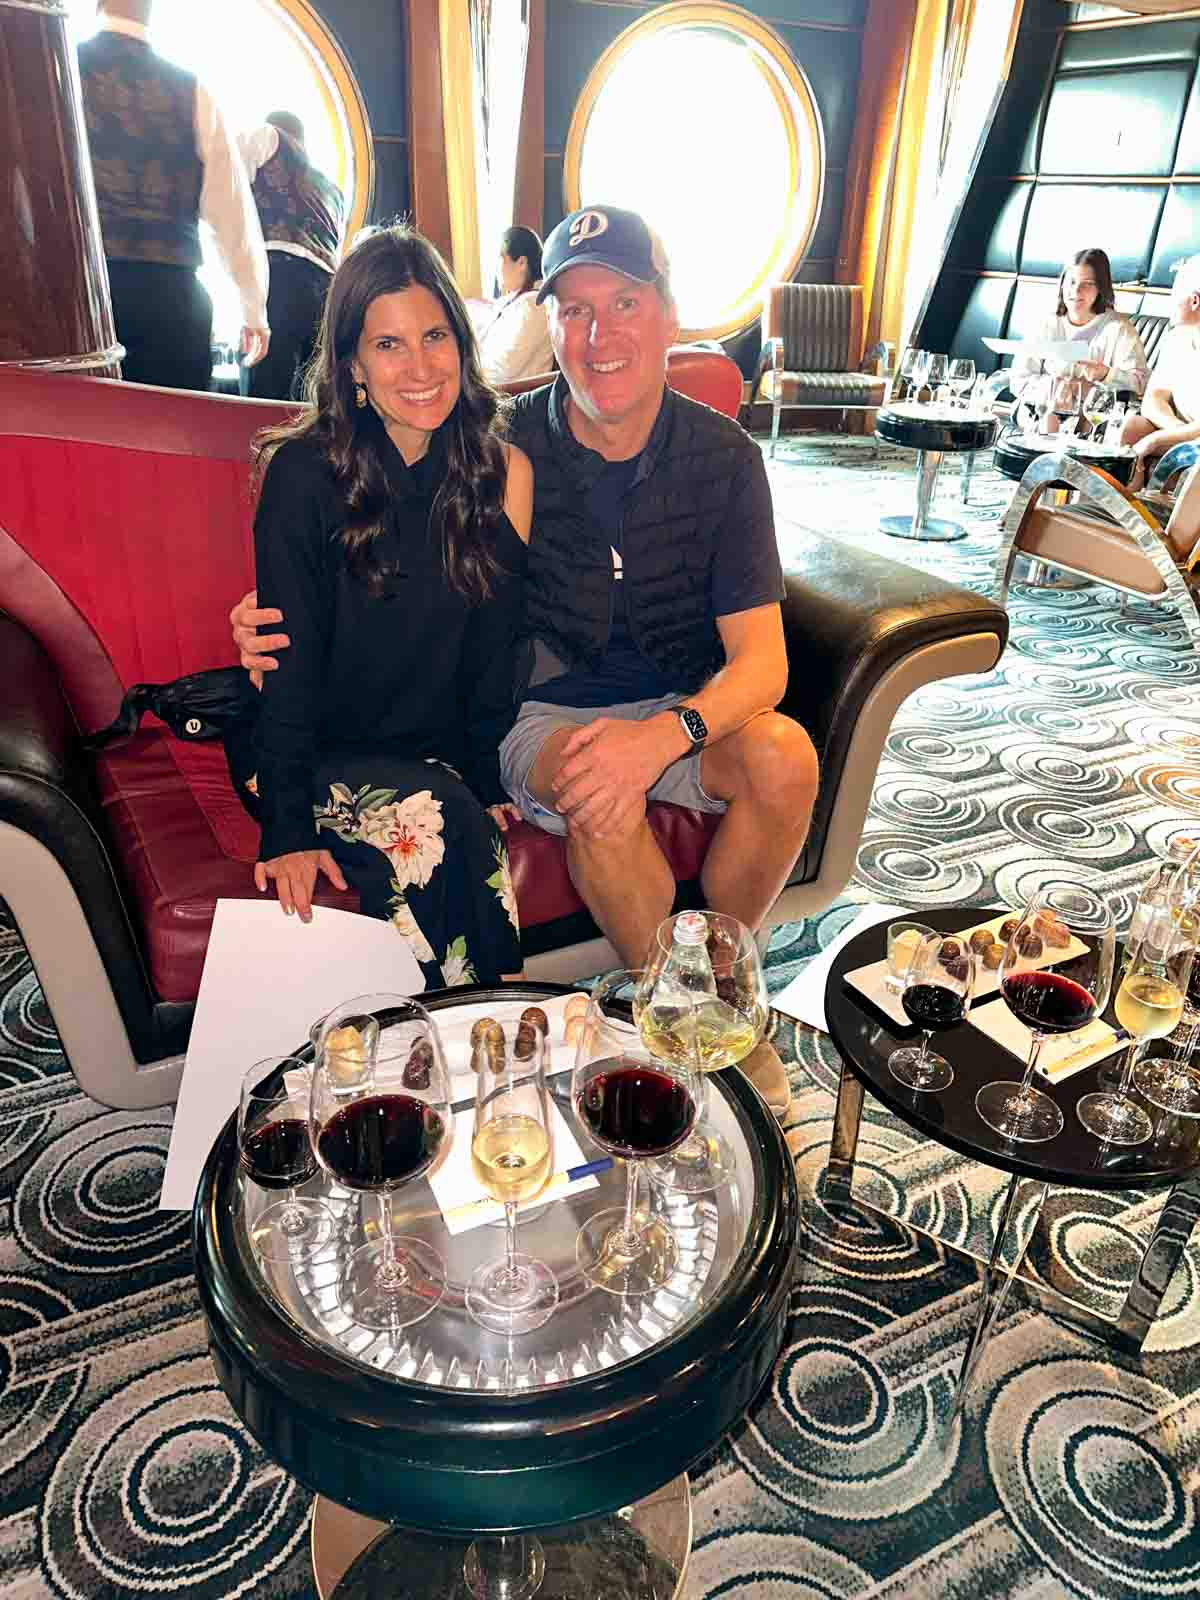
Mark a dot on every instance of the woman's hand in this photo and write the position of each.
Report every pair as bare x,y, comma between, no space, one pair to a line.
501,815
1094,371
295,877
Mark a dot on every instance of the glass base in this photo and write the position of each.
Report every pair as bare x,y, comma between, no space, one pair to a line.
290,1230
382,1288
1029,1118
517,1305
635,1266
508,1568
1170,1084
1115,1118
925,1077
702,1163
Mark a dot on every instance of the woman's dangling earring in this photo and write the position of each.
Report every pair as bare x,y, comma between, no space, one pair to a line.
360,395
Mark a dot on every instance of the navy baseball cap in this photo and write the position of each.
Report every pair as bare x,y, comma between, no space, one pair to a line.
603,236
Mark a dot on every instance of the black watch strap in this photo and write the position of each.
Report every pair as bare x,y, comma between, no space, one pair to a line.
694,725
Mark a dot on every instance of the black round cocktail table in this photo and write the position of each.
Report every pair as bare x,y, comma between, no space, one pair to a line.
449,1430
932,431
1015,451
865,1038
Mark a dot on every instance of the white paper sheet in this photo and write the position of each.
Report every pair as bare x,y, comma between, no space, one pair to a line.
1060,1057
454,1182
804,997
266,979
1041,349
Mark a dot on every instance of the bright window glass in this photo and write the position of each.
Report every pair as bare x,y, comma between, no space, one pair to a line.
664,126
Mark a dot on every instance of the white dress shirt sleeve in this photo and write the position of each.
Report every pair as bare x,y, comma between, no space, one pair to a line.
227,206
258,147
517,344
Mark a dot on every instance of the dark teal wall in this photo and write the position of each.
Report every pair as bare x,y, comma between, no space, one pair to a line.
372,34
824,36
1115,103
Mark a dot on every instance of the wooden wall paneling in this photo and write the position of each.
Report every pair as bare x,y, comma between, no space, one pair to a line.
529,200
426,129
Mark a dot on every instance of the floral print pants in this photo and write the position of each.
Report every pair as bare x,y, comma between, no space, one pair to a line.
425,856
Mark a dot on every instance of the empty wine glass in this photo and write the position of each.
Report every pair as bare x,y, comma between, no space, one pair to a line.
704,1000
937,992
274,1151
376,1123
1055,976
512,1155
1148,1006
634,1106
960,375
935,374
908,380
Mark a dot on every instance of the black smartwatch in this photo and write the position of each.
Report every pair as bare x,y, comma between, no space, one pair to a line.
694,725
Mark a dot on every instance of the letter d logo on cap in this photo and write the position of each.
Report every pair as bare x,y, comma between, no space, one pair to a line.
588,225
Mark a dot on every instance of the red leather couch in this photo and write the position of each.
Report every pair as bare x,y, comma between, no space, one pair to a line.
124,539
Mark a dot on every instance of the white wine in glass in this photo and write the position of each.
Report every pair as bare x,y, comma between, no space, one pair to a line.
1148,1007
511,1158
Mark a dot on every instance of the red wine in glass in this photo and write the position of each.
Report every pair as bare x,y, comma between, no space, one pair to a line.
380,1142
279,1155
933,1007
1048,1002
636,1111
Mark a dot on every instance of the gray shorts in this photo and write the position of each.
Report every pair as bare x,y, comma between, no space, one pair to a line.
680,783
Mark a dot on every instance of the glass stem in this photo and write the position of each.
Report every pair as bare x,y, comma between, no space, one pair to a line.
1035,1050
385,1217
510,1240
920,1067
631,1189
1126,1081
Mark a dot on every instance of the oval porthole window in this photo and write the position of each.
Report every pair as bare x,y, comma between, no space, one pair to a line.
698,117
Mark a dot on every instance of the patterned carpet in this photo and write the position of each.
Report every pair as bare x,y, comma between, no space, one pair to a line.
1076,1471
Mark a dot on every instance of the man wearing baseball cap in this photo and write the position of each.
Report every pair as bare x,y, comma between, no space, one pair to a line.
653,605
653,600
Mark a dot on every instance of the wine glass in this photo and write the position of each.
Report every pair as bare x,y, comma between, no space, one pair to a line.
704,1001
375,1125
634,1106
960,375
1097,404
938,988
908,373
511,1157
1148,1006
1055,976
935,374
274,1150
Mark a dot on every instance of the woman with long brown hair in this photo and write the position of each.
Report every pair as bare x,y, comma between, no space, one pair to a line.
390,531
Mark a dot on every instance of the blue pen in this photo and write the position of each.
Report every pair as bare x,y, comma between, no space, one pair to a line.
557,1181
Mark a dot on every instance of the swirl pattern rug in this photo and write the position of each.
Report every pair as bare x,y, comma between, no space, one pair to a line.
123,1471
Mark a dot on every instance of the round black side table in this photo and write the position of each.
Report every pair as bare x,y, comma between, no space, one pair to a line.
932,431
455,1432
864,1039
1015,451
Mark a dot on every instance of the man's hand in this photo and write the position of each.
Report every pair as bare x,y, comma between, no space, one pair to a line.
246,620
295,876
607,767
254,345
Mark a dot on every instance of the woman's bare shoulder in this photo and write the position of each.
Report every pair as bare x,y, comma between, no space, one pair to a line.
518,491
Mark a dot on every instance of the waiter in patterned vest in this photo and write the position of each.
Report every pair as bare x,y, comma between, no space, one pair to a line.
301,213
163,160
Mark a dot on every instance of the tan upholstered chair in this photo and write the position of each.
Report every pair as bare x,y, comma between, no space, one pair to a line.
812,354
1109,535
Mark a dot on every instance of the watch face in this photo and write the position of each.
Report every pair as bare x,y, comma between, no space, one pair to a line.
694,724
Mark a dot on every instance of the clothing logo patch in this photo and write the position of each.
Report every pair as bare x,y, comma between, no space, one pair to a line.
588,225
618,565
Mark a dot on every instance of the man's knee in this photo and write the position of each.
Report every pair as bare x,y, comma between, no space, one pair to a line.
604,837
776,765
1135,427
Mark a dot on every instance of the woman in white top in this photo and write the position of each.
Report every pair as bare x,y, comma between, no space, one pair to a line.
514,340
1085,315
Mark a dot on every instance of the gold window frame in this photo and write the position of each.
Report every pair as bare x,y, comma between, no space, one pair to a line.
798,208
344,103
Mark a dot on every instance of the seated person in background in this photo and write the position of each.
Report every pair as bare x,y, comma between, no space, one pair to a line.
1170,412
514,341
390,528
301,213
1085,314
